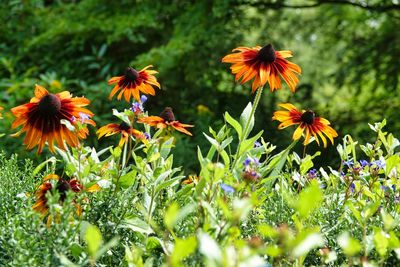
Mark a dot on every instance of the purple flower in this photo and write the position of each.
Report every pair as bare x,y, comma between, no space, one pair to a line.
247,162
143,99
312,174
227,188
379,164
147,135
364,163
257,144
348,163
352,187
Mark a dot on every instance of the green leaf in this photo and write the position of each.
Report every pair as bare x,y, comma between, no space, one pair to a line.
309,200
182,249
245,117
170,215
381,242
93,239
127,179
234,123
349,245
137,225
249,143
44,163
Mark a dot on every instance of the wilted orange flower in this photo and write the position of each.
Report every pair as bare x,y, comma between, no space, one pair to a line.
265,65
124,129
132,82
191,179
62,186
41,119
166,118
307,120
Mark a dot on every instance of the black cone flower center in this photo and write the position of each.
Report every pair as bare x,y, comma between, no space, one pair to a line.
308,117
131,74
267,54
124,126
49,105
62,188
167,114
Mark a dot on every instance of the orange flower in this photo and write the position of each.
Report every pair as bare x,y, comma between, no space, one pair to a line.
124,129
62,186
265,65
133,81
166,118
191,179
1,109
41,119
307,120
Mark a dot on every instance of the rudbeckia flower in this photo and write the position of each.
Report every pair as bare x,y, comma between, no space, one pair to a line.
264,64
62,187
307,120
41,119
124,129
166,119
133,82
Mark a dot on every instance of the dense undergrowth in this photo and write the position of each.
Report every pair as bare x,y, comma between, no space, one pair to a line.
148,216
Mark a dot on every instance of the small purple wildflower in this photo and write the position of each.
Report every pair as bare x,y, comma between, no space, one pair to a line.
147,135
247,162
379,164
348,163
352,187
143,99
257,144
72,119
364,163
312,174
227,188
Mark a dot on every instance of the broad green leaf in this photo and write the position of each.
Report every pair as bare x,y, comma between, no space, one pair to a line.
182,249
349,245
381,241
170,215
309,199
137,225
245,118
127,179
93,239
234,123
311,241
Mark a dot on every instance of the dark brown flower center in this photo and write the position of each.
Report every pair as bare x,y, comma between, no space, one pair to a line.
131,74
124,126
50,105
308,117
167,114
267,54
62,188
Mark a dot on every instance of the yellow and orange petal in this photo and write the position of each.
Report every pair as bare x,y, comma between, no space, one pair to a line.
166,119
133,82
1,110
123,128
264,65
41,119
308,122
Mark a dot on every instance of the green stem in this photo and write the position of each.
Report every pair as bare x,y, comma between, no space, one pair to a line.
246,128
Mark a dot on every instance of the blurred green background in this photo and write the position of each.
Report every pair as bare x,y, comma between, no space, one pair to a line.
349,53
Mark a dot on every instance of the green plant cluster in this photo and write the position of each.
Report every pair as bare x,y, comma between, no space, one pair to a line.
255,207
